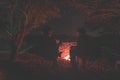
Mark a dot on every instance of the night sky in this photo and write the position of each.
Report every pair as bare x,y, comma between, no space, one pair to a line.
69,22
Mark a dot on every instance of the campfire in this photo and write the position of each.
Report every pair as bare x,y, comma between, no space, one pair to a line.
64,49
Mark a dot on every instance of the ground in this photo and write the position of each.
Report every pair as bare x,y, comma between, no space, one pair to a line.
33,67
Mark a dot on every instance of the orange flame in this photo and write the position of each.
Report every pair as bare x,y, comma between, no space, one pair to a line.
64,49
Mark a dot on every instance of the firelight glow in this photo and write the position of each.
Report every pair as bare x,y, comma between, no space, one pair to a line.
64,49
67,57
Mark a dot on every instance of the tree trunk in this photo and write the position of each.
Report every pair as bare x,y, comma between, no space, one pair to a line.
13,50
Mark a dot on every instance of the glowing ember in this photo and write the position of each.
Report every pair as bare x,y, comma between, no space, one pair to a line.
67,57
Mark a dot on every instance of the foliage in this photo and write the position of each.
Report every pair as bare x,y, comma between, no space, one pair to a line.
20,17
24,16
101,14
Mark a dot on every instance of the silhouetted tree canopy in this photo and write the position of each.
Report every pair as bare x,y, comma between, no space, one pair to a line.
19,17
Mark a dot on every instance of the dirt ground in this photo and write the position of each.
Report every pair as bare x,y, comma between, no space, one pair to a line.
32,67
